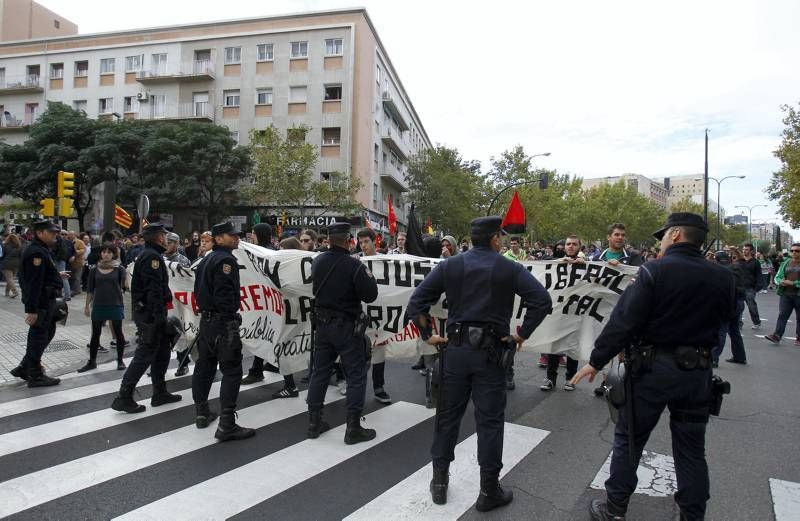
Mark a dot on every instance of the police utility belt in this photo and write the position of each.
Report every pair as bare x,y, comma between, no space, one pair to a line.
483,337
686,358
216,315
328,317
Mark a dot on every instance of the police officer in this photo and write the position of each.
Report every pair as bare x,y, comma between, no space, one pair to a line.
216,288
480,286
340,284
673,312
150,295
41,282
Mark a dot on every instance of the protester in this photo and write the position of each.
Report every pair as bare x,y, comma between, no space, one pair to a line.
135,248
401,244
206,243
76,265
172,254
107,281
12,252
63,253
766,272
193,249
515,253
788,281
449,246
752,282
308,240
733,328
616,253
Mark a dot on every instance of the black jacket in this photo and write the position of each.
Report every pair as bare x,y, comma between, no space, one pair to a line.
150,291
216,282
38,277
349,283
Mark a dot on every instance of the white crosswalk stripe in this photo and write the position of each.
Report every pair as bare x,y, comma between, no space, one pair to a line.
785,499
656,475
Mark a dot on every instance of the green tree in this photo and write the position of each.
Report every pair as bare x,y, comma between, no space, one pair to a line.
733,235
445,188
283,175
619,202
785,184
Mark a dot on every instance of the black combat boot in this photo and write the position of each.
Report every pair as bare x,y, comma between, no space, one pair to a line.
37,378
125,402
227,430
355,433
441,478
600,511
316,425
492,494
161,396
203,415
20,372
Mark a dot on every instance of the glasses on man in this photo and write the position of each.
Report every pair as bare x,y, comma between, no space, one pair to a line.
795,251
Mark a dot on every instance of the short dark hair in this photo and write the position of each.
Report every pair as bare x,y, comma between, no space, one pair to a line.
310,233
367,232
572,237
615,226
109,246
514,239
482,240
290,243
693,235
748,245
263,233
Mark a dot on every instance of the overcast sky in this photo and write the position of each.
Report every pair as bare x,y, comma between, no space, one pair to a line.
607,87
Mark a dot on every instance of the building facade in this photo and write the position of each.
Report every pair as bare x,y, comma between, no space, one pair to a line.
327,71
25,19
653,190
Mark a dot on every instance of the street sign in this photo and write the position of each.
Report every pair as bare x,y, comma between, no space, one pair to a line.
143,207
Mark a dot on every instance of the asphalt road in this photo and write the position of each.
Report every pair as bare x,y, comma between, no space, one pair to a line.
65,455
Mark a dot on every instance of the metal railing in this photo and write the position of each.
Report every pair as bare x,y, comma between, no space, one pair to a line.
194,110
27,81
187,69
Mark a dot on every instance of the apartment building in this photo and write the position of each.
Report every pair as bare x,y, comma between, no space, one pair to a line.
26,19
326,70
653,190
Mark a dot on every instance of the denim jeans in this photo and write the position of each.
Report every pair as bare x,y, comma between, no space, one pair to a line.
752,306
733,330
786,305
62,266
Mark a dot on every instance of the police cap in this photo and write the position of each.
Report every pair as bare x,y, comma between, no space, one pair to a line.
222,229
681,219
152,229
46,225
486,226
339,229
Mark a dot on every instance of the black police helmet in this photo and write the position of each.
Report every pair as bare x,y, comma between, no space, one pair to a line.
174,330
614,390
61,312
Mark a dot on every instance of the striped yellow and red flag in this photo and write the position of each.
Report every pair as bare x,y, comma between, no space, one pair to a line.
121,217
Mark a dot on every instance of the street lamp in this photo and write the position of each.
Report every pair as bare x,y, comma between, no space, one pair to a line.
512,185
719,203
750,217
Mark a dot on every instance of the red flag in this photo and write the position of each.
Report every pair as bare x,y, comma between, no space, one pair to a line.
392,218
122,217
514,221
378,240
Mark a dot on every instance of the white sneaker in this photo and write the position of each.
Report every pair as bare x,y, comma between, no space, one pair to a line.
569,386
547,385
342,387
755,326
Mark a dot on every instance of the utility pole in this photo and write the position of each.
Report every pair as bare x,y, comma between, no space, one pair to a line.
705,185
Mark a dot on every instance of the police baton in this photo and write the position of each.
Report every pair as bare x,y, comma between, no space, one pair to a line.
630,415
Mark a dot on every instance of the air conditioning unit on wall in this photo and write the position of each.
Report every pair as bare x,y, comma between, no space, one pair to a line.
142,96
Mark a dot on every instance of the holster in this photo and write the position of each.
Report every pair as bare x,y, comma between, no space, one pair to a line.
719,388
44,316
360,325
691,357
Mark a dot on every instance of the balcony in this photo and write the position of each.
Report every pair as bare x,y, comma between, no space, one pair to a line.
392,139
9,123
22,84
197,111
197,70
390,105
391,175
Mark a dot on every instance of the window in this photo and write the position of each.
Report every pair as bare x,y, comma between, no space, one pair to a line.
331,136
159,63
233,55
374,194
106,106
334,180
265,52
377,153
333,92
130,104
56,71
80,105
133,63
299,49
56,24
263,96
296,134
333,47
107,65
235,136
298,94
158,106
231,98
81,69
2,76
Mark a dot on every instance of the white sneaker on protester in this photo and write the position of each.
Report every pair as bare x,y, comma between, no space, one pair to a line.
547,385
755,326
569,386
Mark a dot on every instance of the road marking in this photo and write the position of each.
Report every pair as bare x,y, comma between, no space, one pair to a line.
51,483
411,498
66,396
76,425
228,494
656,475
785,499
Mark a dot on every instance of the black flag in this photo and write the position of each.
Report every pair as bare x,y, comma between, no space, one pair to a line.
414,245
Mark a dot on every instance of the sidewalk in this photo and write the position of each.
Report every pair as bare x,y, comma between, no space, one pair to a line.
66,352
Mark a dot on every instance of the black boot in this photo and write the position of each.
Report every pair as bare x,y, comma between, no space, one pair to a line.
20,372
355,433
182,370
125,402
161,396
600,511
227,430
203,415
37,378
419,365
441,478
316,425
91,364
492,494
253,377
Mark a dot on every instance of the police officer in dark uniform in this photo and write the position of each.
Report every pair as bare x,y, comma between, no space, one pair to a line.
41,283
480,286
216,288
340,284
150,295
671,315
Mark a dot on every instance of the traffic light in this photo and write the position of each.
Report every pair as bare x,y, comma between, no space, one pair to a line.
66,184
543,180
65,207
48,208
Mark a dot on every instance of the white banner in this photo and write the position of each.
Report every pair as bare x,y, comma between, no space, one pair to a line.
276,303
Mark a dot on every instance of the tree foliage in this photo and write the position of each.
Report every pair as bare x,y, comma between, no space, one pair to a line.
620,202
283,175
785,184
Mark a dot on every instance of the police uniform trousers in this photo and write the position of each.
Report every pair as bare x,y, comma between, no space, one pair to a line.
687,395
213,350
38,339
335,338
468,372
150,352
